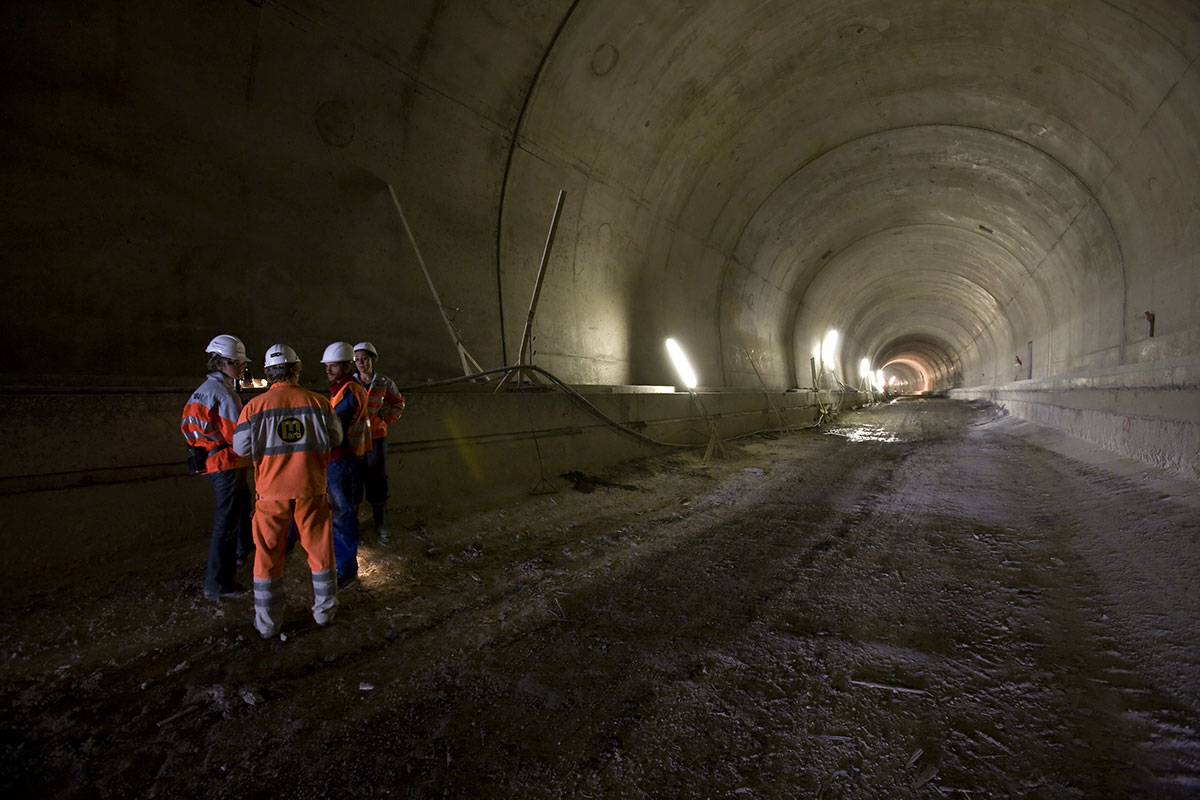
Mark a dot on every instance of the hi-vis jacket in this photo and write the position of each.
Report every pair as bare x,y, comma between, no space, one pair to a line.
208,420
350,404
385,404
288,431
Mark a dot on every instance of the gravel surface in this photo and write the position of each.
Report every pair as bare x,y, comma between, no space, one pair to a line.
923,599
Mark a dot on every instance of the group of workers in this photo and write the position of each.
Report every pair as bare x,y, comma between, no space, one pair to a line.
314,460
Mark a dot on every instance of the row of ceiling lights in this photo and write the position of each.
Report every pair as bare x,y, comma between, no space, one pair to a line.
824,353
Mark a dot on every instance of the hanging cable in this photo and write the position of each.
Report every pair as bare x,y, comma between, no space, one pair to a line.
575,397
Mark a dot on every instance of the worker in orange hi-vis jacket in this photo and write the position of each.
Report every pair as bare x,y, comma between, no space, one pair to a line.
207,423
385,404
289,432
349,400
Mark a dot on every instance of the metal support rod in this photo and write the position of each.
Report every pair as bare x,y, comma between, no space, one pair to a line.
714,437
783,426
527,334
467,361
525,353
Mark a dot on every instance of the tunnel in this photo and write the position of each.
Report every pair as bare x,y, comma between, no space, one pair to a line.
835,208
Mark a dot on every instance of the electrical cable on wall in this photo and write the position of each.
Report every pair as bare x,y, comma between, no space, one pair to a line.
576,398
828,410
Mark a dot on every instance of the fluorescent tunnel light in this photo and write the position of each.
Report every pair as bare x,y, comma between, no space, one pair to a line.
686,373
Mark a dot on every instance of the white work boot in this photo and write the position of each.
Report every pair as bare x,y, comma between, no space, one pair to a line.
324,596
268,600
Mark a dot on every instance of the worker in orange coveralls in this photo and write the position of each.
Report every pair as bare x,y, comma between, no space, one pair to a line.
207,423
288,432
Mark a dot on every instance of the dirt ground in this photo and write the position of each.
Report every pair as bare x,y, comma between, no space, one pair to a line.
924,599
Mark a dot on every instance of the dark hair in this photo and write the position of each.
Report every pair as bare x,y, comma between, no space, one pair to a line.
282,372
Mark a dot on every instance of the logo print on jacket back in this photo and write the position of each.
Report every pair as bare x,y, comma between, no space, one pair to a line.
290,429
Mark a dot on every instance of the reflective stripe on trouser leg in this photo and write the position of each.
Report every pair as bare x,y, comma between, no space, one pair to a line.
324,596
268,599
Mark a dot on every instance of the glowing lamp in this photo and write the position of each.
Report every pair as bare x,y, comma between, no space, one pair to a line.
686,373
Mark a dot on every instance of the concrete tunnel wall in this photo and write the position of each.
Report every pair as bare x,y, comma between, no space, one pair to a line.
950,185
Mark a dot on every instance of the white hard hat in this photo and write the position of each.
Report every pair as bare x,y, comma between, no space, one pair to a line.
337,352
278,355
370,348
229,346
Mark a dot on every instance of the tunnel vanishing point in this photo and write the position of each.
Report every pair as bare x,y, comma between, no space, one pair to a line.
996,199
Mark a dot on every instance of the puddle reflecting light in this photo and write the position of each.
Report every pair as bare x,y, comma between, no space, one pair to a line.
686,373
864,433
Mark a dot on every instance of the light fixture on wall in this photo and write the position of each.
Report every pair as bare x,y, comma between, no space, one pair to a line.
682,365
866,379
688,376
829,351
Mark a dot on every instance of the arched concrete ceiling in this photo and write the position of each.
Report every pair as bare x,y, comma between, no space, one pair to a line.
926,177
943,181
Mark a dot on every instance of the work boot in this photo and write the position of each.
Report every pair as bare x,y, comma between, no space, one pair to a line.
377,517
268,602
233,591
324,597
